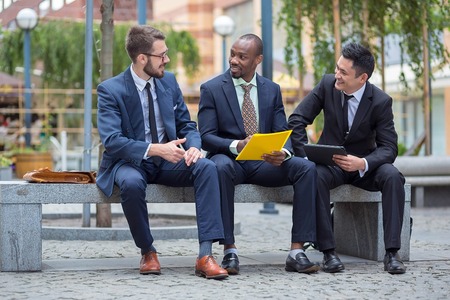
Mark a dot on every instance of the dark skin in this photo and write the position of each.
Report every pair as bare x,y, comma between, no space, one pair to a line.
244,58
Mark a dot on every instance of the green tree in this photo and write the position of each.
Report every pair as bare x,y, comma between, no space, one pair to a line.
58,46
368,22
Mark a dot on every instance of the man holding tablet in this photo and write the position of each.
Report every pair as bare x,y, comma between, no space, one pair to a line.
359,117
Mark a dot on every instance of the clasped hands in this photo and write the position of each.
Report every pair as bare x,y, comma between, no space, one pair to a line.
173,153
275,158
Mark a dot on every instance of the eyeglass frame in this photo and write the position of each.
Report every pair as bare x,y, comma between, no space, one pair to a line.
164,55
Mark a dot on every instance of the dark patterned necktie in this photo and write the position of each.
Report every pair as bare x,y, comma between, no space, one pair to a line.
249,112
345,113
151,114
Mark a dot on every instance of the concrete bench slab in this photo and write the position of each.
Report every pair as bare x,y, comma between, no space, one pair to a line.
429,177
356,211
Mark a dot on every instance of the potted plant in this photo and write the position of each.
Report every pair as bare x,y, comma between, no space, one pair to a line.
38,155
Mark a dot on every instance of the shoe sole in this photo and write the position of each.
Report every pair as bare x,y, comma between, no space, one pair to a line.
335,270
232,271
150,272
202,274
312,269
395,271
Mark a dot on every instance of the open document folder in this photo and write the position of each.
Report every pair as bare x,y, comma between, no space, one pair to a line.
261,143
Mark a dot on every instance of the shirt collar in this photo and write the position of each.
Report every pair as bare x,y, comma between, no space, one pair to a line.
359,93
240,80
139,82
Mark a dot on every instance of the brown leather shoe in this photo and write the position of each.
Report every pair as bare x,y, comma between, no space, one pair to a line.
150,264
209,268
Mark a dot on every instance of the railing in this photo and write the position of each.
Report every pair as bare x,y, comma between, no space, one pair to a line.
63,110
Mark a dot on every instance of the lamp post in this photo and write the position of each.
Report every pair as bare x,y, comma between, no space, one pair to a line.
27,20
224,26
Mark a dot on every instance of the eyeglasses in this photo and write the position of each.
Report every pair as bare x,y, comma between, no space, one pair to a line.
164,55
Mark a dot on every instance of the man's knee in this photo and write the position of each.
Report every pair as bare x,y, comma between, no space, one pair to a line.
223,163
132,184
391,174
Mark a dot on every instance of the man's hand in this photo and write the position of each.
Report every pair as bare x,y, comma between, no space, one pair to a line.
349,163
275,158
241,144
192,155
169,151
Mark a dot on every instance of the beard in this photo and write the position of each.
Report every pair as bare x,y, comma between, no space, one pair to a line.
151,71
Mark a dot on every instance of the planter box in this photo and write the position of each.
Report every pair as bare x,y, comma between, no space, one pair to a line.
26,162
6,173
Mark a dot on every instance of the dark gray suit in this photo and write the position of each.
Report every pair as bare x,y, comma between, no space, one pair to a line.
220,123
372,136
121,128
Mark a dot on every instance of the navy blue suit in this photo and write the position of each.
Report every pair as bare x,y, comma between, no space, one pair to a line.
122,132
372,136
220,123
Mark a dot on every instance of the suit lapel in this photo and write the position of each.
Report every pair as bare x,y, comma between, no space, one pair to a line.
231,98
337,98
263,105
166,108
363,108
134,107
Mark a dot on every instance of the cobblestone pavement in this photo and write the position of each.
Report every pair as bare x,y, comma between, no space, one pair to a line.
109,269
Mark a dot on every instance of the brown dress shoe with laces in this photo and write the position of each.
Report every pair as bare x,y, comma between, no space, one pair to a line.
209,268
150,264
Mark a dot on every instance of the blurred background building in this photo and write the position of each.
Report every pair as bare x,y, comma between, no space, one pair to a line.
197,17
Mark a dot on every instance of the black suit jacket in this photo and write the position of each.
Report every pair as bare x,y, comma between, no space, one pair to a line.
372,135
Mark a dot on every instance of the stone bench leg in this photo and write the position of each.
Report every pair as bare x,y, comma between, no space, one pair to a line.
358,229
20,237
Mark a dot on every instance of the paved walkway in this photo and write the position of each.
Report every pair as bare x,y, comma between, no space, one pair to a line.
109,269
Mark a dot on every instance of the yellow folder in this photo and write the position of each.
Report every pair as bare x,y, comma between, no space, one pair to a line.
261,143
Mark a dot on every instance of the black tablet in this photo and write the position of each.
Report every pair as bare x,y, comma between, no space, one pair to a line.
323,154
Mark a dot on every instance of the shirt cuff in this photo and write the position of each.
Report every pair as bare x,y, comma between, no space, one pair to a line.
233,147
361,173
148,150
288,154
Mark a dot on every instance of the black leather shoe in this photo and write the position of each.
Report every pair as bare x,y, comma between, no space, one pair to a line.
230,263
300,264
393,264
332,263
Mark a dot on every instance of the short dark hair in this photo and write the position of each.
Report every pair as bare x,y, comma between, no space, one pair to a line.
140,39
363,60
256,40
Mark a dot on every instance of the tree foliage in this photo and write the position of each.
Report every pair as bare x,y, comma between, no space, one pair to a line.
58,46
385,17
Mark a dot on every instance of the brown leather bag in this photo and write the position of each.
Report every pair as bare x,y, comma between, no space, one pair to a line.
45,175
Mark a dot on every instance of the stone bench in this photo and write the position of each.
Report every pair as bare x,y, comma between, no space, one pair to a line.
357,216
429,177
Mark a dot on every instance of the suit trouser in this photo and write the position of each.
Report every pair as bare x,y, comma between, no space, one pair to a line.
132,182
385,178
296,171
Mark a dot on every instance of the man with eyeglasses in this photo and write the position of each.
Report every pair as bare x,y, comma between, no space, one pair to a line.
149,137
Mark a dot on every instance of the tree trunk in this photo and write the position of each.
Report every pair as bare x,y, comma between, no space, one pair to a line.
365,18
337,31
299,50
426,86
103,216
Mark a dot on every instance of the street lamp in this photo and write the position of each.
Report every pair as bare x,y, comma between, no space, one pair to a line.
27,20
224,26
